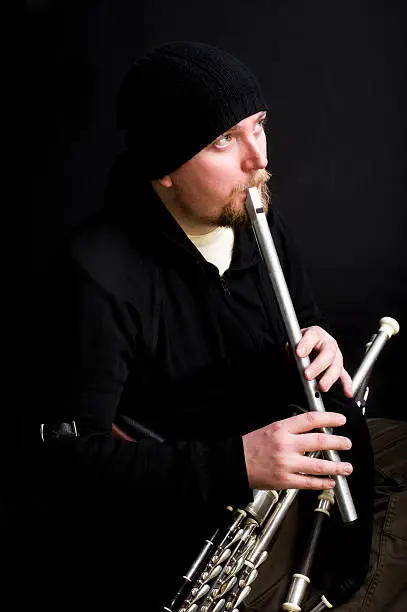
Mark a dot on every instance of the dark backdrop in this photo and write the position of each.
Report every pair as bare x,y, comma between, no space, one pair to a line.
335,77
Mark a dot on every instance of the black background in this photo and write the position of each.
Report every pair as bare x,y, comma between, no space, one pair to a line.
334,74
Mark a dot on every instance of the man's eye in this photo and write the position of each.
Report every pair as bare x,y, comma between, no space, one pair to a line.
222,141
262,122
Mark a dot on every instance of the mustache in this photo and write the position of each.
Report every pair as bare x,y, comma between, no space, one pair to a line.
258,180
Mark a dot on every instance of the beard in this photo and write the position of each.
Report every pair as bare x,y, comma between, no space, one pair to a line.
234,213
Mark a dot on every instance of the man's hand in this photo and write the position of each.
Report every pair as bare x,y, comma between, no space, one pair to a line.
328,361
275,458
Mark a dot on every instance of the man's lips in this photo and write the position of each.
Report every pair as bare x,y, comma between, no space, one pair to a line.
242,195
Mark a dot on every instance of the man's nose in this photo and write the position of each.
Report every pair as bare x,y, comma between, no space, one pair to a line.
254,156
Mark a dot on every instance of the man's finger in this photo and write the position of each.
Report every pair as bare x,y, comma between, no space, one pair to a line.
320,441
346,381
327,359
309,340
301,481
312,420
331,375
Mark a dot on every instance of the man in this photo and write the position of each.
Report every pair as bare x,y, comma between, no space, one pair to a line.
164,316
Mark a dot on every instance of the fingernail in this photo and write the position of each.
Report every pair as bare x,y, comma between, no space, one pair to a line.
348,468
301,352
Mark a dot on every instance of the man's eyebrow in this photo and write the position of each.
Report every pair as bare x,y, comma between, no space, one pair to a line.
237,128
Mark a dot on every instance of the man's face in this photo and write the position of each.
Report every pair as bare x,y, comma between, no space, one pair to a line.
210,189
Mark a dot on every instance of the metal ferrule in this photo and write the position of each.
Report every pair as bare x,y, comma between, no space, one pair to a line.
299,585
322,605
262,503
326,500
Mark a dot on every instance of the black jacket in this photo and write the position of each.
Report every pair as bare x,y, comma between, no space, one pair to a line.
142,325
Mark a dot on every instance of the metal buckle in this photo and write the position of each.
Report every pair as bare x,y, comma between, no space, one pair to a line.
62,434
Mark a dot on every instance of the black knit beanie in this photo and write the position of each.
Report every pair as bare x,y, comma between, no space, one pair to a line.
180,97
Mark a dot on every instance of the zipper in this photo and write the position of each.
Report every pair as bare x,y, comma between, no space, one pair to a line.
224,286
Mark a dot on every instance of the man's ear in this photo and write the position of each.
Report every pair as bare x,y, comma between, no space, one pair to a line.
165,181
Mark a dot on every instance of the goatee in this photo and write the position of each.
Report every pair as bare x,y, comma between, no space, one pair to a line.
233,216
